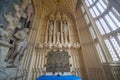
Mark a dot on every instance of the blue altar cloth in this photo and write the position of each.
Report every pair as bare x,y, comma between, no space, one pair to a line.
48,77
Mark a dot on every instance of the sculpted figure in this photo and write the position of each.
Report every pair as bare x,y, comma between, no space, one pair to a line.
3,34
20,14
17,10
29,11
8,17
29,16
51,27
10,27
23,5
20,44
16,22
65,26
50,31
13,22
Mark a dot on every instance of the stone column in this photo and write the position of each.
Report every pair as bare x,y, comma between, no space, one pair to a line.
46,36
54,32
65,36
62,32
50,38
58,37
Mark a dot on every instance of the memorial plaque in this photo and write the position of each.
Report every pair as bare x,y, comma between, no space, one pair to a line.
58,61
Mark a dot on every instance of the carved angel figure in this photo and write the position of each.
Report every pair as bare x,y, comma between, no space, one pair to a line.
13,22
19,11
9,18
3,33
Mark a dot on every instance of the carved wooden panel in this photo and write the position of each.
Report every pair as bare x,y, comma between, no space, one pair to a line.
58,62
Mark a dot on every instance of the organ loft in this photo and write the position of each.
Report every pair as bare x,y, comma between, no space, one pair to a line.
59,40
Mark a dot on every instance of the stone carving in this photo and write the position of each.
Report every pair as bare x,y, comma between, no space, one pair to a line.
17,10
4,41
19,14
13,22
50,31
20,44
16,22
65,27
6,5
3,33
29,16
51,26
8,17
23,5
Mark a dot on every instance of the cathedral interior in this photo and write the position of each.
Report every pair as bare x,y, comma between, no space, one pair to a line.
60,38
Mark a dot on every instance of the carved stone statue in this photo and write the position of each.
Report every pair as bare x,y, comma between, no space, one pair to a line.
23,5
16,22
50,31
29,13
13,22
20,44
8,17
51,26
3,34
65,27
4,39
17,10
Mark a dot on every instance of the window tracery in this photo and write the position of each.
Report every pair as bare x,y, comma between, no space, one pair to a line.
107,19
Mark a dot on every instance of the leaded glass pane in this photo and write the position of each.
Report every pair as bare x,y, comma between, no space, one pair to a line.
115,44
116,11
111,50
100,27
100,7
103,4
96,11
92,12
115,19
86,1
105,26
111,23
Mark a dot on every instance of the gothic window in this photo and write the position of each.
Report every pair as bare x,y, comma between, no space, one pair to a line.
107,20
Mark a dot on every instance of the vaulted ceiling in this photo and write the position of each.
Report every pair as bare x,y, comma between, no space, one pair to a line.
44,7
